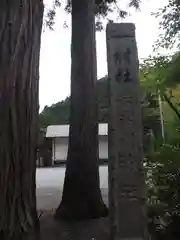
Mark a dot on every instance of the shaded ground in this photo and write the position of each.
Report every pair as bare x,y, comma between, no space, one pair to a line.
52,230
49,192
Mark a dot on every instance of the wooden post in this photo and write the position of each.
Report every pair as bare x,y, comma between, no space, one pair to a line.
126,175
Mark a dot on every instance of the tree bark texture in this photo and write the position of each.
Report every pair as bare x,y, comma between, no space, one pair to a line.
20,32
81,194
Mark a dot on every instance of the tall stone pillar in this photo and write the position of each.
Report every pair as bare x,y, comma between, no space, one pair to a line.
126,175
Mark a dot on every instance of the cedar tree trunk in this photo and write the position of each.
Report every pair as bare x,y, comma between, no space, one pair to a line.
20,31
81,194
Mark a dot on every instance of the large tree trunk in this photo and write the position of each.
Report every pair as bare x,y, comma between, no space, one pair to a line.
81,194
20,31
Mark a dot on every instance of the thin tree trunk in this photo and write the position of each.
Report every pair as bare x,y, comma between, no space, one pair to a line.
171,105
81,194
20,31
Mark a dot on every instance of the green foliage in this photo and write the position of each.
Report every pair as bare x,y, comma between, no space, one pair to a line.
173,71
156,73
172,131
153,72
160,75
102,8
169,17
59,113
56,114
163,167
150,113
103,102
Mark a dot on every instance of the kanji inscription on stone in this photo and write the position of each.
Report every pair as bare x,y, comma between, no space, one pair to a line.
126,178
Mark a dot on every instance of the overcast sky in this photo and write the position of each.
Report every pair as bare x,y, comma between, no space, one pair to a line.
55,59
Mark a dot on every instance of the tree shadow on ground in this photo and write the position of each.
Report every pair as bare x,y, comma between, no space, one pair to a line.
97,229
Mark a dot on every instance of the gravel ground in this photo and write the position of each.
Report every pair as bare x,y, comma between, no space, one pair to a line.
49,183
49,198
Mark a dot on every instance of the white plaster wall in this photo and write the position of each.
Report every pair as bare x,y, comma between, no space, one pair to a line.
61,148
103,147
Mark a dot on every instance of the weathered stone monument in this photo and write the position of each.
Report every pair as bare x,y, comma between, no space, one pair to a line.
126,176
